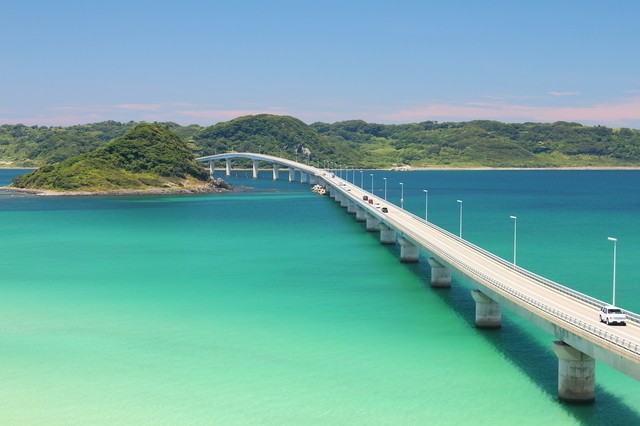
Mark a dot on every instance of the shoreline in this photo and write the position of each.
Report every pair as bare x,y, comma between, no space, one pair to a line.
125,192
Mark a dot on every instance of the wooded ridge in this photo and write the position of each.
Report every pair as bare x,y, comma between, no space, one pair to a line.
354,143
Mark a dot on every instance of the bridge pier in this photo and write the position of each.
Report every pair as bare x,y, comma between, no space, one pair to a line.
488,313
440,274
409,252
255,169
276,171
303,177
360,214
212,169
576,374
373,223
387,235
292,174
344,201
351,207
313,180
227,170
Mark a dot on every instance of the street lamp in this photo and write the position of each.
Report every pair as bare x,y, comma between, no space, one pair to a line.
402,195
371,174
385,188
515,236
615,244
426,205
460,201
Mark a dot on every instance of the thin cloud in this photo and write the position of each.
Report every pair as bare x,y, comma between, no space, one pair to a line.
625,113
139,107
224,115
54,120
564,93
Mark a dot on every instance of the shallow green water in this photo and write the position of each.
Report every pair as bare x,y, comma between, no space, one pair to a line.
276,307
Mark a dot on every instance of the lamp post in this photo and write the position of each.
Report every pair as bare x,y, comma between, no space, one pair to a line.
426,205
615,246
371,174
515,237
385,188
460,202
402,195
361,179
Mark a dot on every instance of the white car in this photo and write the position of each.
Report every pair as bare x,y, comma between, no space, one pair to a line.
612,315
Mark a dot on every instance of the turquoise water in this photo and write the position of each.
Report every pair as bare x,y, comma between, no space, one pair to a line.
275,307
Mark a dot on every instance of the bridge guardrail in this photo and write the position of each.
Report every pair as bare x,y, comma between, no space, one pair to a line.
616,340
540,279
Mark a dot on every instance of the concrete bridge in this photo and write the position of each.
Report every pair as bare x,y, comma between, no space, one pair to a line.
304,172
568,315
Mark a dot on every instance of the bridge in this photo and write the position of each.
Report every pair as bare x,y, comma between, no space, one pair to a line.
570,316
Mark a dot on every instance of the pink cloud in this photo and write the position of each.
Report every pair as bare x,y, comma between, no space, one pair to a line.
622,113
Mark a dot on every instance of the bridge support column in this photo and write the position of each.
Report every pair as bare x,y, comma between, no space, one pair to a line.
303,177
313,180
351,207
276,172
292,175
344,201
255,169
212,169
360,214
387,235
373,223
409,252
228,167
576,374
488,313
440,274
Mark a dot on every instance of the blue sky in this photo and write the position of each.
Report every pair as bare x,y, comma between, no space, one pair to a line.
74,62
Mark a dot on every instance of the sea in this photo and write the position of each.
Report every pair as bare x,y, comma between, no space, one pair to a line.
273,306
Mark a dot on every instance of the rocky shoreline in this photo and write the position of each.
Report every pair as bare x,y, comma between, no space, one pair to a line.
215,187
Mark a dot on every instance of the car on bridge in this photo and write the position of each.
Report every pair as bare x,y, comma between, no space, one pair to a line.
612,315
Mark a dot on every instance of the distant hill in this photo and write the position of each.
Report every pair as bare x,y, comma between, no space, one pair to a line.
355,143
283,136
147,156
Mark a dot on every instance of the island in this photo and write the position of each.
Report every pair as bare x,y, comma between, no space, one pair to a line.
148,159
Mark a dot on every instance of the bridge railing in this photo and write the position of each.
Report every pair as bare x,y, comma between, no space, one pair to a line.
631,316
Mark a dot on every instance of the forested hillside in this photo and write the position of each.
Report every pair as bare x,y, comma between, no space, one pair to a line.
147,156
356,143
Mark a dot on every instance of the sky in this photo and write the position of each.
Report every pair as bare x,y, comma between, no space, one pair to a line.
68,62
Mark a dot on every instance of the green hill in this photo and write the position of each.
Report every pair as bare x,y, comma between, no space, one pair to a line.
278,135
147,156
354,143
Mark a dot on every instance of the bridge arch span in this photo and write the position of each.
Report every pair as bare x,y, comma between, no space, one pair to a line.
307,173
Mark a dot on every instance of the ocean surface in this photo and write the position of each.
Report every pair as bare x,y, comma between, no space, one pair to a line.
275,307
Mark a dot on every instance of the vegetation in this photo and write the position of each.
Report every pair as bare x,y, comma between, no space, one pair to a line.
147,156
354,143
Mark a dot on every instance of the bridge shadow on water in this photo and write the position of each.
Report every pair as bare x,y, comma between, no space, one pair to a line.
519,347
